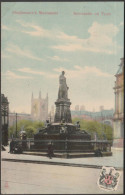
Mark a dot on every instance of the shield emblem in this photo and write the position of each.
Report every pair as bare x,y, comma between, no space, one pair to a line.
108,179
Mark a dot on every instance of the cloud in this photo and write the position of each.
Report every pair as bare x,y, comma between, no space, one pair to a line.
68,47
31,71
57,58
3,55
25,53
38,31
4,27
121,24
12,75
79,72
100,38
99,41
64,36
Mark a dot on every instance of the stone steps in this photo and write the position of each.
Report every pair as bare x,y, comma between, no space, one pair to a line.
68,155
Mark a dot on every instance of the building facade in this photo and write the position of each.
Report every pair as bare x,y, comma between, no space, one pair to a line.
77,108
20,116
104,116
119,106
39,108
52,114
4,119
82,108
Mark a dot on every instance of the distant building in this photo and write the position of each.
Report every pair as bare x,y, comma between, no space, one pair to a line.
4,119
101,108
82,108
52,113
20,116
119,106
105,116
77,108
39,108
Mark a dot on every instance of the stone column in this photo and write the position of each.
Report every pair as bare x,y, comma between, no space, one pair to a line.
63,111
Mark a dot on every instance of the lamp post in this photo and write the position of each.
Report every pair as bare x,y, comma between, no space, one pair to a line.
50,117
16,125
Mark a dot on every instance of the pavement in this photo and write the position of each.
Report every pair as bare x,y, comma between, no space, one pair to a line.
29,174
28,178
116,160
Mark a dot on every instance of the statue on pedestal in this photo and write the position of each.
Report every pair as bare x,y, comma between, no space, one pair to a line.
63,103
63,89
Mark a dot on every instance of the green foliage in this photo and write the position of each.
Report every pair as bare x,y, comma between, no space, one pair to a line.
93,127
30,127
30,130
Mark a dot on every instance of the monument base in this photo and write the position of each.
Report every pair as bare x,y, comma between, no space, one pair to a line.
63,111
70,143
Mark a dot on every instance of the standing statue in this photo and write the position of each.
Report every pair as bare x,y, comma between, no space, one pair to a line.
63,103
63,89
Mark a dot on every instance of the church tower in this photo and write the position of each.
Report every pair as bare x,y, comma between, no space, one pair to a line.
39,108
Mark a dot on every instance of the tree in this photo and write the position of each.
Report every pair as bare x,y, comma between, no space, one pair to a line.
30,127
93,127
30,130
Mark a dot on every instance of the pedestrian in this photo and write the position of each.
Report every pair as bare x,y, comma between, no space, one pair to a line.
50,150
12,145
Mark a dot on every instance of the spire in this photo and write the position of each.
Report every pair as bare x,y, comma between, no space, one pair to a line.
47,96
40,94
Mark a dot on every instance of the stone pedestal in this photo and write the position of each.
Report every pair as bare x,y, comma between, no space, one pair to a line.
63,111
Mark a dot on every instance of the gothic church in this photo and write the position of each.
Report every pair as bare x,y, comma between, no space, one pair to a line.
39,108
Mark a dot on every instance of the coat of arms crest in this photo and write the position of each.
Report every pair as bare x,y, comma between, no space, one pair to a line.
109,178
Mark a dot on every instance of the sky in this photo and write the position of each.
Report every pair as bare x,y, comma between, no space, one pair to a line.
40,39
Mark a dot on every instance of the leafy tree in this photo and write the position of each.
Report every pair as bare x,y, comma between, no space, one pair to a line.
30,127
93,127
30,130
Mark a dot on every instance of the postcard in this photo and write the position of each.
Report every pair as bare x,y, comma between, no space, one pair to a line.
62,97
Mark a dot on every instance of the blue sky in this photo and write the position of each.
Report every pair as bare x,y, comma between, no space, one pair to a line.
37,47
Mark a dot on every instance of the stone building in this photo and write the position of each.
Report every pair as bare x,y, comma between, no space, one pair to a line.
77,108
101,108
119,106
104,116
39,108
4,116
82,108
20,116
52,114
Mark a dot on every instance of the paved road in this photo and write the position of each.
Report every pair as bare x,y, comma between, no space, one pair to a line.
116,160
28,178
